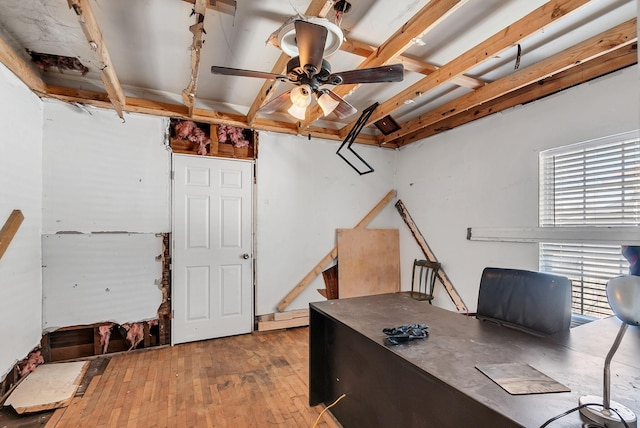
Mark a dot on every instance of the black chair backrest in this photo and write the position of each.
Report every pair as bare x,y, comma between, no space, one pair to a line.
423,279
534,302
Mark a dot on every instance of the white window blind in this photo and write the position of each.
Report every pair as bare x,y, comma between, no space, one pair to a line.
595,184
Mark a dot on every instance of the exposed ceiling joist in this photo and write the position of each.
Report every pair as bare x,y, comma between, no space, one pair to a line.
318,8
224,6
19,67
139,105
108,74
583,72
493,46
197,29
362,49
594,47
268,88
426,19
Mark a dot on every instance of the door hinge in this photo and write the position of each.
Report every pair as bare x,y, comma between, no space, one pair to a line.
172,174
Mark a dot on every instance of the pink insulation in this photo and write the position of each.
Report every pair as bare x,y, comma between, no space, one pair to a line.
105,335
184,128
135,334
188,130
30,363
231,135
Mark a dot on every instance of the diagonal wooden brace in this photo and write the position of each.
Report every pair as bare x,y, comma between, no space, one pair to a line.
442,276
9,230
332,255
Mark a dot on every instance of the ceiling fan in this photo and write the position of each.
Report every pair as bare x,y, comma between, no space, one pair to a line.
309,71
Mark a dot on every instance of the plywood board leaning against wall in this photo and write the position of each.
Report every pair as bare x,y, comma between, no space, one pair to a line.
369,261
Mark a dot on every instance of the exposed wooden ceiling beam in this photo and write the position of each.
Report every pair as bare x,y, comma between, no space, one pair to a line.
583,72
268,87
612,39
426,19
317,8
139,105
224,6
92,31
17,64
531,24
362,49
189,93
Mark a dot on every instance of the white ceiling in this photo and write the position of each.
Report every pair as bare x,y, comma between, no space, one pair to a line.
149,43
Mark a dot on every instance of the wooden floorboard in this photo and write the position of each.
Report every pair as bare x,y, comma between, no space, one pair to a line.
253,380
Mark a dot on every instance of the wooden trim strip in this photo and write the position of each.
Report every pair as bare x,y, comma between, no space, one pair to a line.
609,235
94,37
331,255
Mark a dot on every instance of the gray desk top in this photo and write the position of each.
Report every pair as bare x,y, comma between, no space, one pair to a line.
457,343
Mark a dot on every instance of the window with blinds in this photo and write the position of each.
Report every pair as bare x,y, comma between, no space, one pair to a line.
596,183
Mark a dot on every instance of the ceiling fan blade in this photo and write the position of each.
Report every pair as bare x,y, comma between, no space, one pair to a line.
311,39
227,71
274,104
385,73
344,109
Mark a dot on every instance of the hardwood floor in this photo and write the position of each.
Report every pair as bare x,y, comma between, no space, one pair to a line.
253,380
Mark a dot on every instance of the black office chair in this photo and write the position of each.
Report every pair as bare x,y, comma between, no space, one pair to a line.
423,279
534,302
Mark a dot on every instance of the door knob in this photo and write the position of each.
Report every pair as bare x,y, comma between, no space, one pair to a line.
245,256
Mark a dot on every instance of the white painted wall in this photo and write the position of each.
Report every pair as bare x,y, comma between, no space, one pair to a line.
21,188
485,174
304,193
103,175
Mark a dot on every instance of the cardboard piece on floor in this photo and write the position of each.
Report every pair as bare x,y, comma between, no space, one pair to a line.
369,261
49,386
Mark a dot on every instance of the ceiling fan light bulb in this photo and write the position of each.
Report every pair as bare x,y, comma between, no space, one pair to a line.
327,104
301,96
299,112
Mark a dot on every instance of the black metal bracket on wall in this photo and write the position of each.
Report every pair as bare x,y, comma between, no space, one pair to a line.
348,141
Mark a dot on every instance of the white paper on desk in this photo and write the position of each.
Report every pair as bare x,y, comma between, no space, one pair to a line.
518,378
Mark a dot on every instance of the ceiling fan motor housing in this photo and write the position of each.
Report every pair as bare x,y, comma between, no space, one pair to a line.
298,75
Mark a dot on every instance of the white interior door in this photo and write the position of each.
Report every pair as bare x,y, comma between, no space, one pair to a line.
212,242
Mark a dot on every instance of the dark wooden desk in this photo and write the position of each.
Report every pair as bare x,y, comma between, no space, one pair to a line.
433,382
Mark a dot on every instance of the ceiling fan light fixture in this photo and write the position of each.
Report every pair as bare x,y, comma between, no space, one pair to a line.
298,112
327,104
301,96
300,99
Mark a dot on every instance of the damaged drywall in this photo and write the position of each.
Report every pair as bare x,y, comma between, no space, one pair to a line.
107,277
21,184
